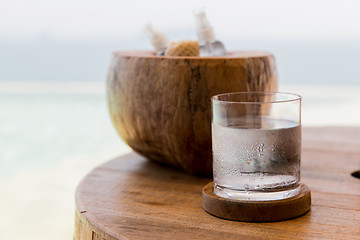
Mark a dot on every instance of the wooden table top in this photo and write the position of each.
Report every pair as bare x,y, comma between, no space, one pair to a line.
132,198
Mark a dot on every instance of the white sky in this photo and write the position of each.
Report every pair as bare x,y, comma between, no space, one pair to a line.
104,19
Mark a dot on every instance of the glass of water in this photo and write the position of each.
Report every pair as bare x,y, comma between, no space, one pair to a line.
256,143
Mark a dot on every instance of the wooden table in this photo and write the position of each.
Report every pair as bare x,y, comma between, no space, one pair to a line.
132,198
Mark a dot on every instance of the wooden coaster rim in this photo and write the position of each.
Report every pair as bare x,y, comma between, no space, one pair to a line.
256,211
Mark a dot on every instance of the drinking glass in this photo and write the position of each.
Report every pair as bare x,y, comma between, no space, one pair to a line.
256,143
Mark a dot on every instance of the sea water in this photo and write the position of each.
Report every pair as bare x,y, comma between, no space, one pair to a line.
257,159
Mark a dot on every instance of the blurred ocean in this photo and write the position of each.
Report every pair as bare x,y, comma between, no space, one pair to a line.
316,61
51,135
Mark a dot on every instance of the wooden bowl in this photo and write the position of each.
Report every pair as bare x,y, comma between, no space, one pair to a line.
161,107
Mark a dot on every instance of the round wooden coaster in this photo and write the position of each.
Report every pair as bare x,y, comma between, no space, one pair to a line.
256,211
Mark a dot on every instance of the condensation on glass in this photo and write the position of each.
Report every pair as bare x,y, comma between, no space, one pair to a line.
256,143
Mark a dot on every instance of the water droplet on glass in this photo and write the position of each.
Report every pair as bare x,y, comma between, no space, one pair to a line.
261,148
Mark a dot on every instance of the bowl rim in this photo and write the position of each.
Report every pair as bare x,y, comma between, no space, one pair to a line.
231,55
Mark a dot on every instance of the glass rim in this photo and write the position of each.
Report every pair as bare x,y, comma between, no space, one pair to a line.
295,97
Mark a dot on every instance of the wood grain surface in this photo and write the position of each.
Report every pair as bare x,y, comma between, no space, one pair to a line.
160,106
132,198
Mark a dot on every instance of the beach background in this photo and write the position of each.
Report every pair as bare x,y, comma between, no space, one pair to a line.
54,57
